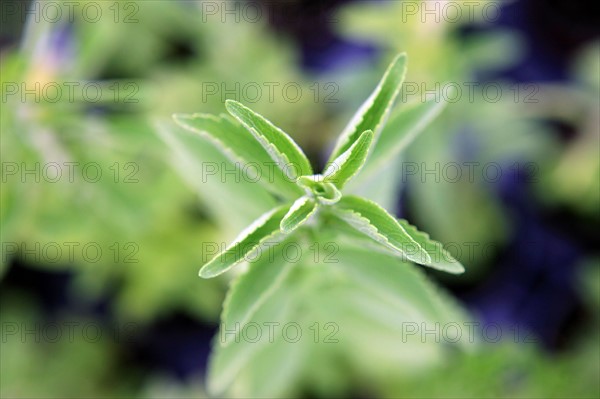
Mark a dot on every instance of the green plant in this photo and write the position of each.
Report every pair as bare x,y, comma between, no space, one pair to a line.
371,247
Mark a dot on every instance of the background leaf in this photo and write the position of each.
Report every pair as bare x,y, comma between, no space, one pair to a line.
356,298
251,289
398,133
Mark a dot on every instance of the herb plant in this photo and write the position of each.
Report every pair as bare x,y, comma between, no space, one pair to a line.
372,252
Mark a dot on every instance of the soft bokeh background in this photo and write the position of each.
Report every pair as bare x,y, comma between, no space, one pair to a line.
142,321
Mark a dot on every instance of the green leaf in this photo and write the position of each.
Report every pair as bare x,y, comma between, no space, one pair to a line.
226,203
228,363
299,213
361,298
374,221
233,140
400,131
280,147
440,258
250,290
247,243
238,145
373,113
407,287
349,163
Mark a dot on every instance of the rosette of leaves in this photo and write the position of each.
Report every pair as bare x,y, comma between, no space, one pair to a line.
362,292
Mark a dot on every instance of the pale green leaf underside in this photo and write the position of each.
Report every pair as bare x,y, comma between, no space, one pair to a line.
399,132
406,286
374,111
349,163
239,145
263,231
230,361
370,296
224,202
250,290
299,213
280,147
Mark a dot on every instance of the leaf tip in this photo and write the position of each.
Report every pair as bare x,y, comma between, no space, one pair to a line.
206,273
400,58
455,268
285,228
230,103
177,117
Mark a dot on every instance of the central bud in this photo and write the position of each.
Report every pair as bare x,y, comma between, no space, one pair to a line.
324,192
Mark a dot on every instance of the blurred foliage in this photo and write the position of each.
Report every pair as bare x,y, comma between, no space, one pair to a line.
138,199
573,179
504,369
508,370
83,359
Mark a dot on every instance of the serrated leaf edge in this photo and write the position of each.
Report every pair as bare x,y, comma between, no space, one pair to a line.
274,153
244,234
229,152
299,203
257,304
381,237
342,160
413,230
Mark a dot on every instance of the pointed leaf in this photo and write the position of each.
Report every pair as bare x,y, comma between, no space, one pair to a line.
349,163
232,362
373,113
440,258
280,147
237,144
400,131
264,231
374,221
250,290
233,140
299,213
225,203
